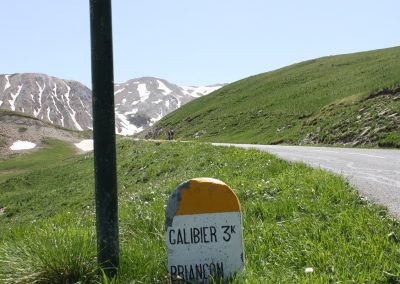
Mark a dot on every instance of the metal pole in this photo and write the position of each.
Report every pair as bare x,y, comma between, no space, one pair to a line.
104,136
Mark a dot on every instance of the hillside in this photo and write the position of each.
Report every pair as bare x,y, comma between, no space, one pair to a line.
348,99
295,219
15,126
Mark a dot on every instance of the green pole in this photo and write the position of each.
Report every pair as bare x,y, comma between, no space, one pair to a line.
104,136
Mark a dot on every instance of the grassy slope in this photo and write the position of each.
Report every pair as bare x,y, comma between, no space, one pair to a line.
294,217
53,152
277,106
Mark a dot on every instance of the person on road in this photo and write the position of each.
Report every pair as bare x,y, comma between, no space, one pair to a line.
170,134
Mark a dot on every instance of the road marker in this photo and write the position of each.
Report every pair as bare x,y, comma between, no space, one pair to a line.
204,234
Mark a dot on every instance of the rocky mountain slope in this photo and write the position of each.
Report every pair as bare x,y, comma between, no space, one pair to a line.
138,102
61,102
141,102
15,126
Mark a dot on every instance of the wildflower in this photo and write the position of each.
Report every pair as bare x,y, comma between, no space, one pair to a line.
309,270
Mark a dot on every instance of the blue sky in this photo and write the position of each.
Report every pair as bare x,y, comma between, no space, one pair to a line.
191,42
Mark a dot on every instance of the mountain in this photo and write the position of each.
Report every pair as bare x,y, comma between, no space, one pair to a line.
138,102
351,99
61,102
141,102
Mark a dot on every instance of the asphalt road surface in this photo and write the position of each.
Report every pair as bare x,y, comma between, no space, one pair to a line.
374,172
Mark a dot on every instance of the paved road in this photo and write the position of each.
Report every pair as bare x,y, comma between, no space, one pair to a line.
375,173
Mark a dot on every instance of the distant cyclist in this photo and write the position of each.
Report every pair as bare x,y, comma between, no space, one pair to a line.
170,134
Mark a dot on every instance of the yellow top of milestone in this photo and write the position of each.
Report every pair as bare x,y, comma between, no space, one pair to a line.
207,195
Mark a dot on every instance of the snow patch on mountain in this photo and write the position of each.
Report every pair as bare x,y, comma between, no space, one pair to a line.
163,88
143,92
59,113
14,97
85,145
134,111
7,85
22,145
126,128
48,115
41,89
197,92
71,111
119,91
54,93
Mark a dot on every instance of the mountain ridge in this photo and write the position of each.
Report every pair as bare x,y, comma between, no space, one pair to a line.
68,103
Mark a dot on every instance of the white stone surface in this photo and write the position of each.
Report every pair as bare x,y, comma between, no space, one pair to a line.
200,244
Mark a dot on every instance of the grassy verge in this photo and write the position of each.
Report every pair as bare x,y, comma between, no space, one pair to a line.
294,218
391,140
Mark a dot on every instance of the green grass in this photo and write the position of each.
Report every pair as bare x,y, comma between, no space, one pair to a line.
54,255
294,217
52,152
390,140
369,122
275,107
